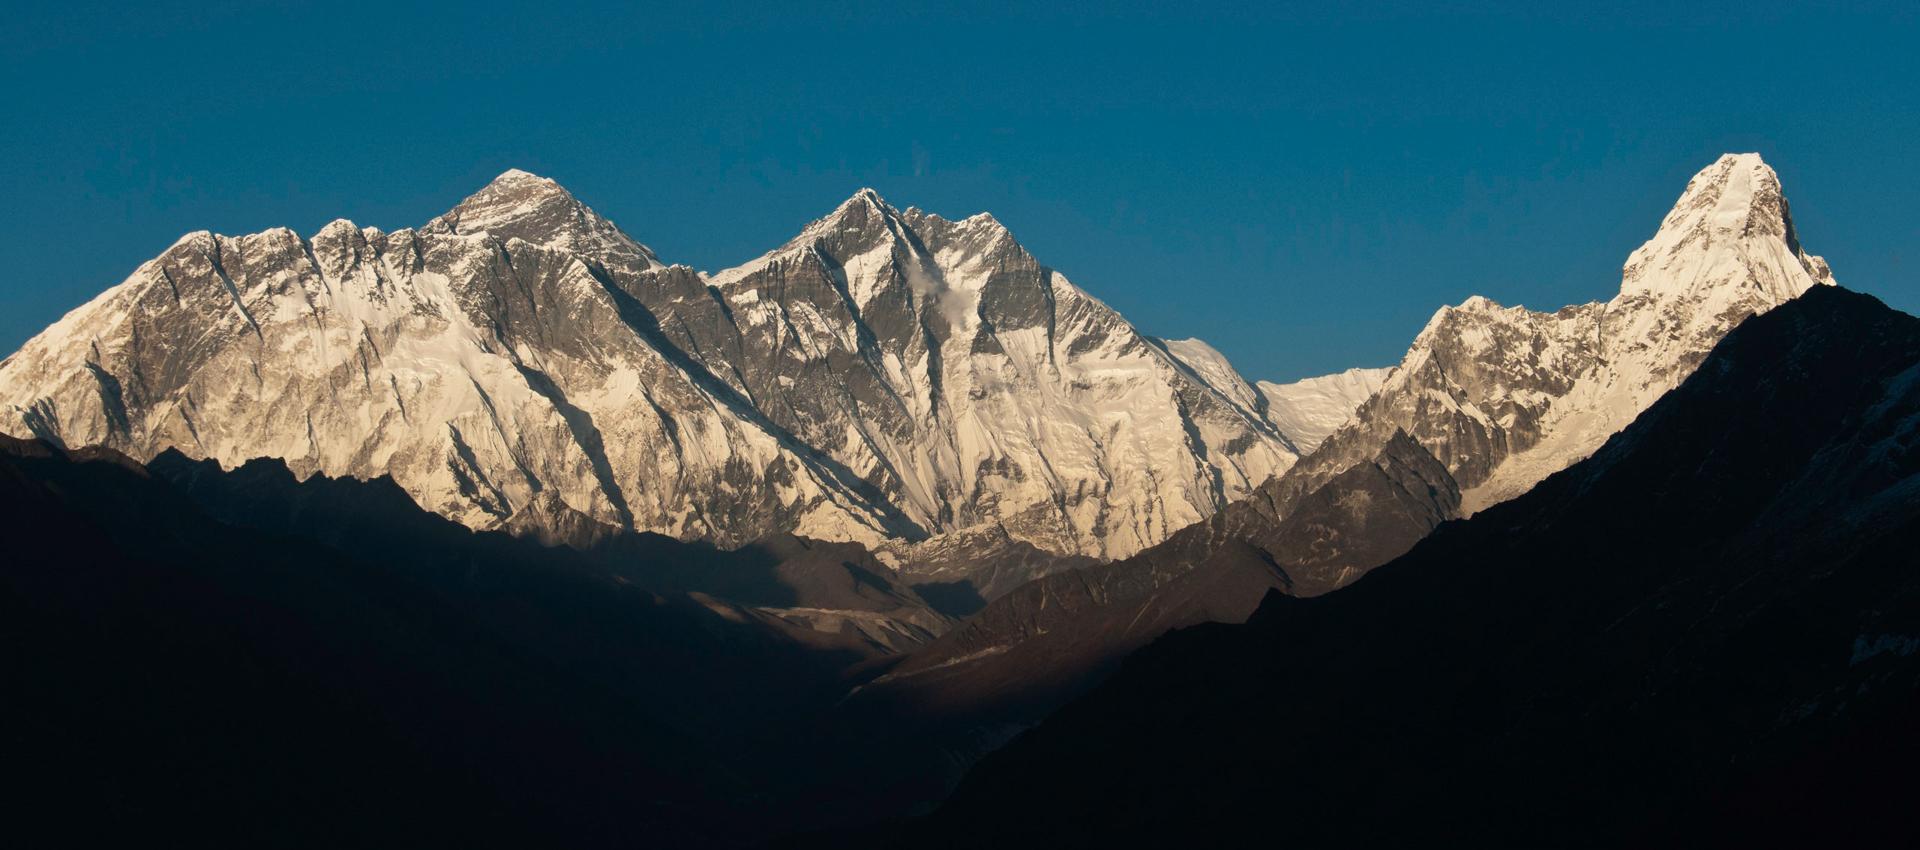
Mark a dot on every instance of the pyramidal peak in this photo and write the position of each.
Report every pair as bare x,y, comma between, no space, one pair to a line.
862,209
1504,396
523,205
1738,195
515,175
868,195
514,191
866,217
868,239
863,230
1730,226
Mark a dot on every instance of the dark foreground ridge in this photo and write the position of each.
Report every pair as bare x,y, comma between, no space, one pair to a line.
1705,634
238,657
1007,667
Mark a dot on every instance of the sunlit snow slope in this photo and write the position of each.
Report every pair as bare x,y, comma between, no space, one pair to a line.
521,362
1505,396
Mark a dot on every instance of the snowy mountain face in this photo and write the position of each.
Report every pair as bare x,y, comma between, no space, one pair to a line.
1710,611
1309,410
520,362
884,377
972,385
486,361
1505,396
1488,402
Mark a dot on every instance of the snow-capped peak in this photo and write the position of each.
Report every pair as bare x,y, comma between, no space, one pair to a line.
884,373
1505,396
515,175
522,205
862,223
1732,213
980,388
512,194
865,212
867,195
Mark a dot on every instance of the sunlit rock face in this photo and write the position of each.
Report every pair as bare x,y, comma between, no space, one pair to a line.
885,376
1505,396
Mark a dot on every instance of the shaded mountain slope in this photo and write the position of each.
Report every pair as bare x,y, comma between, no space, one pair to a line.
1485,394
903,738
1704,633
176,677
1053,634
779,577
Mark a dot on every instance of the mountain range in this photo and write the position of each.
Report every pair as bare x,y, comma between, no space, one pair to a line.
884,377
1488,400
803,540
1702,634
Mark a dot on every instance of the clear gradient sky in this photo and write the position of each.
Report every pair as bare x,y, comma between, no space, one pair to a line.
1300,187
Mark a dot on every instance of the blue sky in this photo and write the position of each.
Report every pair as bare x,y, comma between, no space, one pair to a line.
1300,187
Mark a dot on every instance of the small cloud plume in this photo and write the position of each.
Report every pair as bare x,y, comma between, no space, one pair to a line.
953,305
